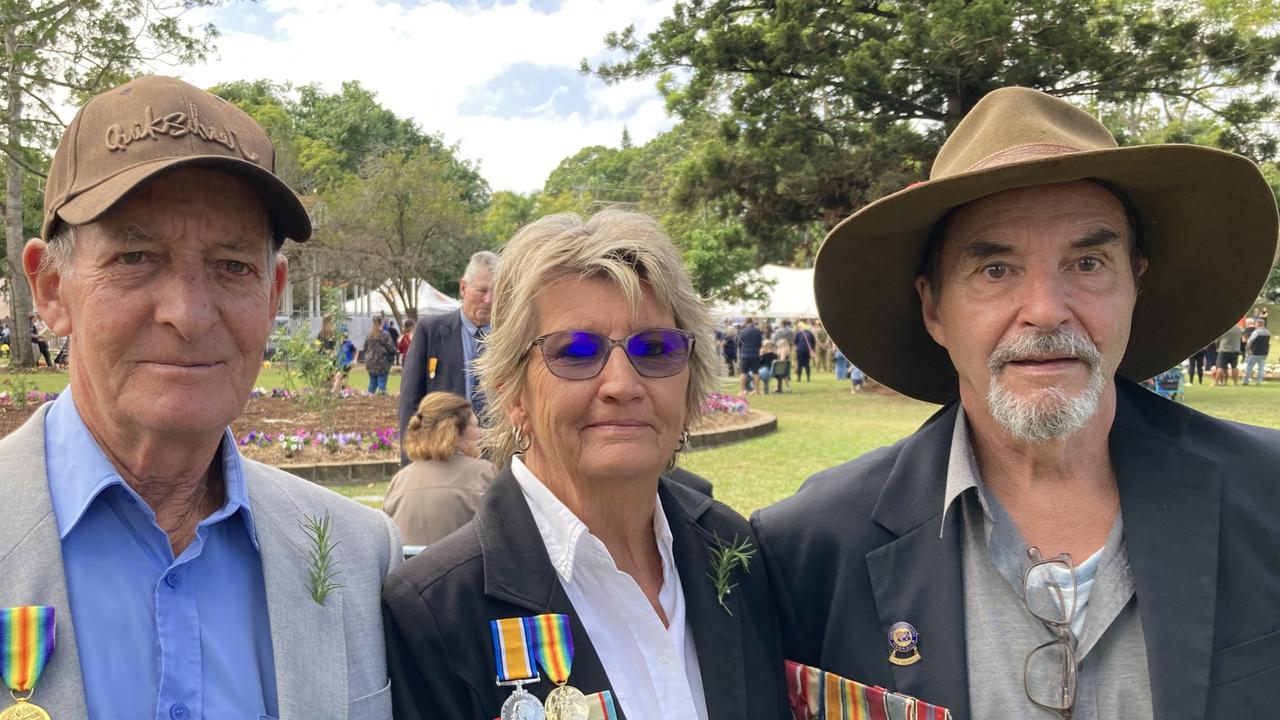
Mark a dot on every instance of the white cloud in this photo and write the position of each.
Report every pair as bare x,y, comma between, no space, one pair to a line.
423,61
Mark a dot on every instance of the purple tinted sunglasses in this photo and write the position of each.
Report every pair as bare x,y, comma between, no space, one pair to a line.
581,355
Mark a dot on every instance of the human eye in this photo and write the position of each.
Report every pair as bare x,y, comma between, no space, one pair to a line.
133,257
576,346
1089,264
995,270
238,268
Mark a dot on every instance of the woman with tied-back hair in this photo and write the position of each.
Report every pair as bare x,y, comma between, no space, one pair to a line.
598,361
439,491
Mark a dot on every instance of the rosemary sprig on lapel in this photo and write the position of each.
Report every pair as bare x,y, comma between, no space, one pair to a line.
725,558
323,566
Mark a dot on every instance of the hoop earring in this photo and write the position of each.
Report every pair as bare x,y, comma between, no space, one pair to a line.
683,443
522,442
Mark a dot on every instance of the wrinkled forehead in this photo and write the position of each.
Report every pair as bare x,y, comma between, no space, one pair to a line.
191,205
1080,207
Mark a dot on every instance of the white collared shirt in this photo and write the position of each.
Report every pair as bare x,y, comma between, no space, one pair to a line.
652,669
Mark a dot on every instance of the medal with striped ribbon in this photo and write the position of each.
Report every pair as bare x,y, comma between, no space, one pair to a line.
513,656
601,706
553,647
26,642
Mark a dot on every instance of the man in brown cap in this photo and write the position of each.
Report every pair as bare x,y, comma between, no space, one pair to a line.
1056,541
186,581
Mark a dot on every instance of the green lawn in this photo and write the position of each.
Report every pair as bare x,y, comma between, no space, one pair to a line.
820,424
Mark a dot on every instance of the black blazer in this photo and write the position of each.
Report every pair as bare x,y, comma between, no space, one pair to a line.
435,336
437,608
691,480
858,548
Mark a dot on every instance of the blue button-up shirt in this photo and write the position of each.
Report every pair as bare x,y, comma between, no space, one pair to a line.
159,637
470,348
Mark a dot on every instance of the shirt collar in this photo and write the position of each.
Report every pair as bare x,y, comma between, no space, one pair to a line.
469,326
563,532
79,471
962,468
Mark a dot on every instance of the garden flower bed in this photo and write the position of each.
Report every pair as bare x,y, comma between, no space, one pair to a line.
285,427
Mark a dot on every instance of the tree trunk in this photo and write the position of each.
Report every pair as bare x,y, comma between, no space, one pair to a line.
20,351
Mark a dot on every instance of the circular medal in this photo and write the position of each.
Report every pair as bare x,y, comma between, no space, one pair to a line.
24,711
567,703
520,706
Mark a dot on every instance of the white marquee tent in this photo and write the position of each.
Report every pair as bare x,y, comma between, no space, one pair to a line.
791,296
430,302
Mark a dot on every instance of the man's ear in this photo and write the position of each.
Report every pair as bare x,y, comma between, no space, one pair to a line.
462,287
279,281
929,310
46,286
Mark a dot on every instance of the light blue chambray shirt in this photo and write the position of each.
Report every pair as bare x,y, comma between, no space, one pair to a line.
159,638
470,348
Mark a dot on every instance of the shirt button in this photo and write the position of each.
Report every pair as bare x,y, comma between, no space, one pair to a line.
665,659
173,581
178,711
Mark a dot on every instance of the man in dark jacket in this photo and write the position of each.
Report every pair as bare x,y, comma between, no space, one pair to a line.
444,346
1055,541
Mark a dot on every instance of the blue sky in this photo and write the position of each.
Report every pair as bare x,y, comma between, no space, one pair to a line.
499,77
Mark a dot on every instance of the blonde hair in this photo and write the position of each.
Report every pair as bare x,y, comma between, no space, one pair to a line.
434,431
625,248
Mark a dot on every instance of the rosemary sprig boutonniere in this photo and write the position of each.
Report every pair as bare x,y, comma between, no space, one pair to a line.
726,557
323,567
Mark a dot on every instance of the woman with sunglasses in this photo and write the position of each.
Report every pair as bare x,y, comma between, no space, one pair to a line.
588,584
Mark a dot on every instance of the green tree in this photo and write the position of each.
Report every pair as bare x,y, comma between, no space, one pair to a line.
56,50
403,220
823,107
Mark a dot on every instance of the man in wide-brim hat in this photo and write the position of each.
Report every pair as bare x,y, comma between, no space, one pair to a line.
1062,542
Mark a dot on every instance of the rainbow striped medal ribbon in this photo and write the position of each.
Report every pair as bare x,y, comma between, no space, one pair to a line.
26,642
553,646
513,656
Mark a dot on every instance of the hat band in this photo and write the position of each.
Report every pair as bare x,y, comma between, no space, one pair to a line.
1018,153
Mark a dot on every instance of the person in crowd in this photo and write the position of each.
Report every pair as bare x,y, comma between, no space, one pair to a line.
390,326
767,357
328,336
40,338
344,358
445,347
440,490
598,362
377,354
1229,356
1195,367
826,348
1258,346
858,379
806,347
402,345
727,340
784,338
750,340
167,574
782,368
1055,541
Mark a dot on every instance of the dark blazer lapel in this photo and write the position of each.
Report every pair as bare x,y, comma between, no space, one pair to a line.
917,578
1170,502
518,570
448,346
717,629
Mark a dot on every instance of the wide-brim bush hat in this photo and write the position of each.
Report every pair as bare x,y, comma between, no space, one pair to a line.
1207,225
128,135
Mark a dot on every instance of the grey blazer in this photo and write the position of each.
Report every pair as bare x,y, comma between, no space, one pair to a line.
329,660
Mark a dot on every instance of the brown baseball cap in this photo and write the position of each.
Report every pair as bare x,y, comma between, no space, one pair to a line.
127,135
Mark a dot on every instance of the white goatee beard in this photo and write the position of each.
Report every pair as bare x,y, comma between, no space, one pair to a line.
1051,413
